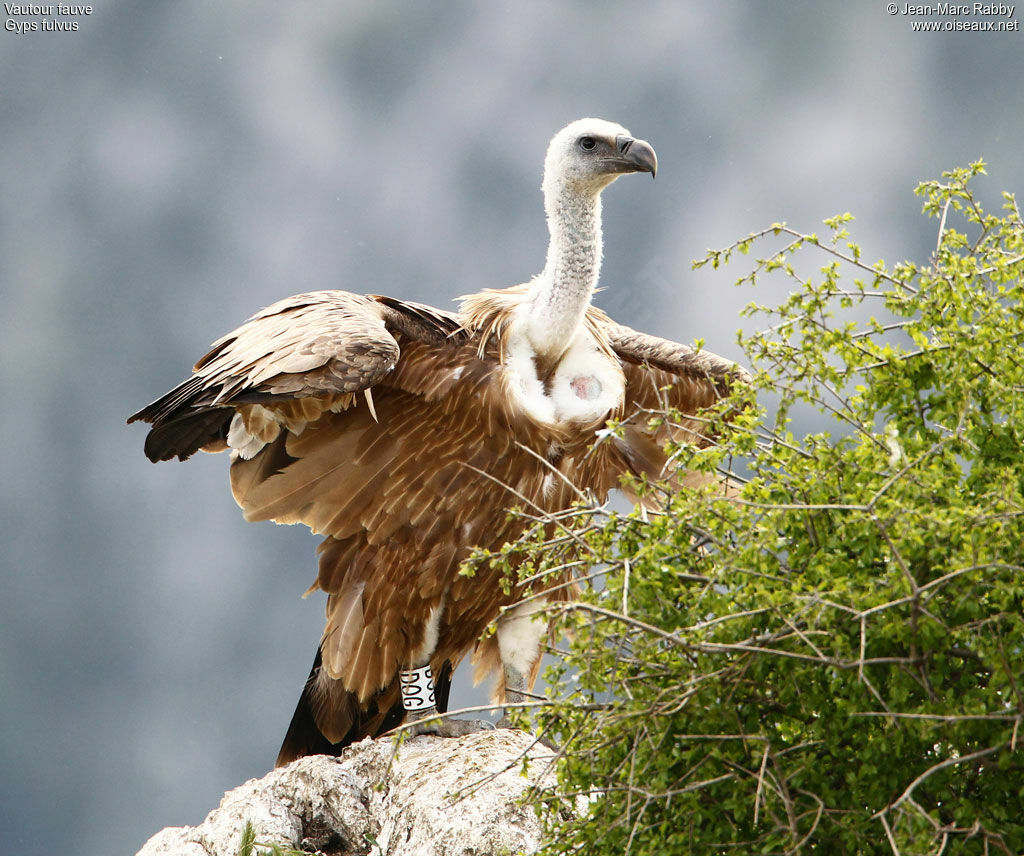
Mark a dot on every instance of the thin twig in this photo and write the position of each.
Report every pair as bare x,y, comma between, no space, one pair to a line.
949,762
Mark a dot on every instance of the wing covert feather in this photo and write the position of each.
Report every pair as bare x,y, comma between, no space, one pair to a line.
318,348
663,374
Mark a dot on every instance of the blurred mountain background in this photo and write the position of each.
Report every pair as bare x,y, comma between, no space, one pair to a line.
170,168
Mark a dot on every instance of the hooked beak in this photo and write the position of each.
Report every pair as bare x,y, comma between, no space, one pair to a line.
634,156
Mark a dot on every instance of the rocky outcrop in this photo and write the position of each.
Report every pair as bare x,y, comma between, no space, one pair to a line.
430,797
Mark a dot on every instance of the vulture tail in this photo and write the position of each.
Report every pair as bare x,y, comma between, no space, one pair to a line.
377,717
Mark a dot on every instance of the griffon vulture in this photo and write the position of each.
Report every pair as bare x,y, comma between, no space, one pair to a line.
404,434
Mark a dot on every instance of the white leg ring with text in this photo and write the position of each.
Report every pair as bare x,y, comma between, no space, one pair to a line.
417,688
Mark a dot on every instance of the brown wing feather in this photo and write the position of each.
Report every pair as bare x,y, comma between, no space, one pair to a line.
662,374
708,375
321,346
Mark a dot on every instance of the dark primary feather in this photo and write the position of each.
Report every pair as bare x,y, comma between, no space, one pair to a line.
181,436
421,322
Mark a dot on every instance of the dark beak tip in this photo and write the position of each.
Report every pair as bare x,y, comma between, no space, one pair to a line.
642,154
635,155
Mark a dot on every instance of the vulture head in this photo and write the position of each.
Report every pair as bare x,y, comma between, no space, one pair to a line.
589,154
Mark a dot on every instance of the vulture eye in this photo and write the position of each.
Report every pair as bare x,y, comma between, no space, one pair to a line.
588,144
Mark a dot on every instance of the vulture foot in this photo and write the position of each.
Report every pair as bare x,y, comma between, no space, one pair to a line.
431,722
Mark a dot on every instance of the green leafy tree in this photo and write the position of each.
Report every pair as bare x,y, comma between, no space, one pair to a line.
828,657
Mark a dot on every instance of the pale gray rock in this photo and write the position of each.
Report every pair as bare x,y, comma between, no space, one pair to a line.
434,797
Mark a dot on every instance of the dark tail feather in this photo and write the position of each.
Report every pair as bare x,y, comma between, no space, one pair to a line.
304,737
443,686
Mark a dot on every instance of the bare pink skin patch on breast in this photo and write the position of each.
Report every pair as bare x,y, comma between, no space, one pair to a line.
586,387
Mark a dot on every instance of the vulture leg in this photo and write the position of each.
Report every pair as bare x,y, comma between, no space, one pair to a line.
520,632
515,686
421,707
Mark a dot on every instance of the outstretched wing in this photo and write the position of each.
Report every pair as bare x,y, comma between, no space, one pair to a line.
662,374
286,365
395,487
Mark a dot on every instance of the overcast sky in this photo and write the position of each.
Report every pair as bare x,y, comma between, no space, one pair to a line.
169,168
